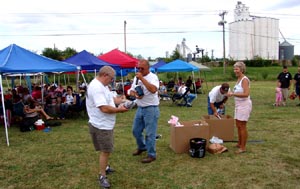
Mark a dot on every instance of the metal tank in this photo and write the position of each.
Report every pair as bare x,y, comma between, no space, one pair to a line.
241,40
286,51
266,32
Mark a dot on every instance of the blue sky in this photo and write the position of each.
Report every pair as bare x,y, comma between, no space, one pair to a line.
153,27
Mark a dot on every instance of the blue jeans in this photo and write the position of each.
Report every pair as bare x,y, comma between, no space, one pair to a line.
146,118
190,98
217,105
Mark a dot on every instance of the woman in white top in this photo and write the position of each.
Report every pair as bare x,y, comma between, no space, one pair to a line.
68,103
243,105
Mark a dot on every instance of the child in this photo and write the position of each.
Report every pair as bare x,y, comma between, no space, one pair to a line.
278,95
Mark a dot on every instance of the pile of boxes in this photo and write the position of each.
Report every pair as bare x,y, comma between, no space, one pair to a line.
206,128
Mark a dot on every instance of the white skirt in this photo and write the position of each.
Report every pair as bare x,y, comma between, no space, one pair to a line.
243,109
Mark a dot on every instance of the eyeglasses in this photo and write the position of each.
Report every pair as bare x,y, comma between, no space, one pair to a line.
140,68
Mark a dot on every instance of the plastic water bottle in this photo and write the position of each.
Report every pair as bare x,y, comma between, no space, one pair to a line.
220,111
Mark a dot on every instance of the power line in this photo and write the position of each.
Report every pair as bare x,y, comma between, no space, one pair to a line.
145,13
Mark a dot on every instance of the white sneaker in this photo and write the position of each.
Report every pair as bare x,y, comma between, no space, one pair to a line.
103,181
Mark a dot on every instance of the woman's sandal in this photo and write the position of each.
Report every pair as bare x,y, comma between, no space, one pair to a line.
240,151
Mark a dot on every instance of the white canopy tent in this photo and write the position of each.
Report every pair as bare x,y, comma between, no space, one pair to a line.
202,68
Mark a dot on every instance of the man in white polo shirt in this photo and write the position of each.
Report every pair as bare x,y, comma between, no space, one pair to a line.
216,99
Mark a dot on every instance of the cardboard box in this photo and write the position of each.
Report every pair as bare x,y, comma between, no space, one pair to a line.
180,136
222,128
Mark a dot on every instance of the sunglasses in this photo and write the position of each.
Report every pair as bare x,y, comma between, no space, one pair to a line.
140,68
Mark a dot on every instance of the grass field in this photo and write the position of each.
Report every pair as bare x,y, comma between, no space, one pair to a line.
65,158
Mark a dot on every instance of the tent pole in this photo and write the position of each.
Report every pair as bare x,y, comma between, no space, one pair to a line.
42,89
83,78
4,112
65,81
194,83
205,81
77,80
122,82
7,82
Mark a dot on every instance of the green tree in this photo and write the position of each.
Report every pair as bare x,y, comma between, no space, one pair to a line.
175,55
205,58
68,52
139,56
54,53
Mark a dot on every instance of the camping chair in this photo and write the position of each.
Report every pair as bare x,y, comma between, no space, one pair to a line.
181,99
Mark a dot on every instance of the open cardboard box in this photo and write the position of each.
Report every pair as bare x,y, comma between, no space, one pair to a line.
222,128
181,135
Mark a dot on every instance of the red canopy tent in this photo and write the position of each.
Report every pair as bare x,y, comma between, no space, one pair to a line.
119,58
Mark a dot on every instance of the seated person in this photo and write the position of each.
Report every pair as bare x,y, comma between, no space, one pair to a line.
34,111
52,104
68,103
37,93
162,91
198,83
189,96
51,96
171,85
26,96
189,82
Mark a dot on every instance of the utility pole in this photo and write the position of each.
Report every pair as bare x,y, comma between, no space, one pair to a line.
222,23
125,36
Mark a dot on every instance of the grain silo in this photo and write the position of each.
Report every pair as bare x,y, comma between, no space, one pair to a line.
286,51
252,36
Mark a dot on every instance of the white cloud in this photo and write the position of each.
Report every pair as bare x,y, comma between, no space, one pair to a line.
153,26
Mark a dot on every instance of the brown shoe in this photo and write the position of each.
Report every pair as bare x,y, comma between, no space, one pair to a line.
148,159
138,152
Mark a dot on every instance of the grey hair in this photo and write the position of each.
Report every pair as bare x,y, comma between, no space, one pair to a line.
241,66
106,70
145,61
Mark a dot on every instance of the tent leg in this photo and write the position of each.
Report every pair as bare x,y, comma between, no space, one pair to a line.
4,112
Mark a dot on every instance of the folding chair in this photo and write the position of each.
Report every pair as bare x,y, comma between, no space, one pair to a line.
180,99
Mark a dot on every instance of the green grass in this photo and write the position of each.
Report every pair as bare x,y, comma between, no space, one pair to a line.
65,158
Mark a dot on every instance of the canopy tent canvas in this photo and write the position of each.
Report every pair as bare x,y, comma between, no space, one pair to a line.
122,59
157,65
119,58
15,59
88,62
178,66
202,68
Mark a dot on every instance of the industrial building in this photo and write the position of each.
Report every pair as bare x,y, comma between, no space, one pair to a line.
253,36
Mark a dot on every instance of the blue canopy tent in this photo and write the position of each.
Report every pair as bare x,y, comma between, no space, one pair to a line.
15,59
179,66
157,65
88,62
